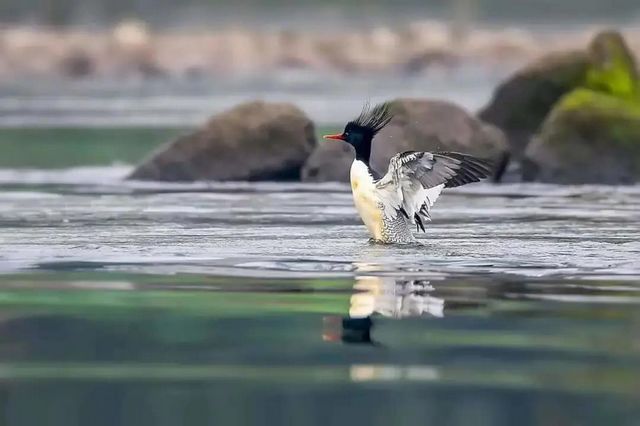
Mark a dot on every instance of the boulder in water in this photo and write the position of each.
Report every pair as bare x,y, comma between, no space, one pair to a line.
592,135
521,103
253,141
418,125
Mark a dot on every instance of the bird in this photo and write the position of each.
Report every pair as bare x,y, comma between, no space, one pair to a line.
391,205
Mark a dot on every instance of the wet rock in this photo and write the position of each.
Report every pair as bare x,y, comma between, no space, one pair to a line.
329,162
420,125
592,135
253,141
588,138
521,103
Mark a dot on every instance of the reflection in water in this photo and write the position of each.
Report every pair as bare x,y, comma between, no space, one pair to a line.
541,327
386,296
348,330
394,298
243,351
370,373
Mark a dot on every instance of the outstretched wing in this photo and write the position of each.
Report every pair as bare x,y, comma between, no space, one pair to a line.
415,179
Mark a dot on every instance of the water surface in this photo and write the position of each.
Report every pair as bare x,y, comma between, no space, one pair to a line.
148,303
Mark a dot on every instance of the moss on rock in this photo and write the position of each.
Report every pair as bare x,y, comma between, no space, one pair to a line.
592,134
589,137
520,104
554,96
612,67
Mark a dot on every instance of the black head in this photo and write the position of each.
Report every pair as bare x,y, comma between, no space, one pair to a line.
360,132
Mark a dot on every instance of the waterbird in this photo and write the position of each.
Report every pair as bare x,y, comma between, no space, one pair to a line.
392,205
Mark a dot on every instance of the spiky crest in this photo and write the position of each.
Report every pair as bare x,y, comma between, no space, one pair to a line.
374,119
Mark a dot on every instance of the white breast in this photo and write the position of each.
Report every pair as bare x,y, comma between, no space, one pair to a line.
366,199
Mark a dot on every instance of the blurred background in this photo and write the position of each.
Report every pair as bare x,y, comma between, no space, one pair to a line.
205,14
118,71
71,66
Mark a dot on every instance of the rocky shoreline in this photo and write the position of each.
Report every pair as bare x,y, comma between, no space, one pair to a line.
131,49
570,117
569,114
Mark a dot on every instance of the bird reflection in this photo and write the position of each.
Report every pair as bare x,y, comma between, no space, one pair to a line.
385,296
394,298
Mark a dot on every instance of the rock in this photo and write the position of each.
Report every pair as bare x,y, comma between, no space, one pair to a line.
592,135
520,104
329,162
420,125
589,137
253,141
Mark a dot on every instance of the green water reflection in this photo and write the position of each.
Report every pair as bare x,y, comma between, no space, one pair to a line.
61,147
71,147
121,348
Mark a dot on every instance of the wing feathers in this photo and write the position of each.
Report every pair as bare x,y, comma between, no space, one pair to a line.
414,180
449,168
469,169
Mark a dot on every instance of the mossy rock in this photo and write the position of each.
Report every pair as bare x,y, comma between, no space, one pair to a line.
592,135
589,137
520,104
612,67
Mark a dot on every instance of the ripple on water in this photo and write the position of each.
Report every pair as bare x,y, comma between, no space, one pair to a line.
293,229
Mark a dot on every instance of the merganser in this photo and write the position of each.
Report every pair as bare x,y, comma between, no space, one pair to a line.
391,205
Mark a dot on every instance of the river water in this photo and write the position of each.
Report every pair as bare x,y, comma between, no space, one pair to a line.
264,303
325,97
153,304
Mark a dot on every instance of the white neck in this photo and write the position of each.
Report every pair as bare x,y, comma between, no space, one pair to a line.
360,174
